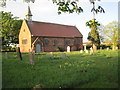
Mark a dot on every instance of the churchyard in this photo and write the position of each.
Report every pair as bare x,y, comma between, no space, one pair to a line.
61,70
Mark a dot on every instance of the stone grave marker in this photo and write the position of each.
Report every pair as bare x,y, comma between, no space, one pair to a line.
68,48
81,51
91,51
86,51
84,47
116,48
107,48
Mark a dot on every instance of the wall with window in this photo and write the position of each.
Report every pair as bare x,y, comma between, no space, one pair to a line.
53,43
24,38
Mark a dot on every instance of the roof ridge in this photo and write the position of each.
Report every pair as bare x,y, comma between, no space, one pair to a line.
54,23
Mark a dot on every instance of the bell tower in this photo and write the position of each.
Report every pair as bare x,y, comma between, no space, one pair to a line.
29,15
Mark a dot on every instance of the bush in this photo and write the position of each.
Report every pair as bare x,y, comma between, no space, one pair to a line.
98,47
88,47
61,49
104,46
8,49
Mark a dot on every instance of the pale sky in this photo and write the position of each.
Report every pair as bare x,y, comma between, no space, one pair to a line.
46,11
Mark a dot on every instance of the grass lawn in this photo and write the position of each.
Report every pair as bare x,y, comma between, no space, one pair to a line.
78,71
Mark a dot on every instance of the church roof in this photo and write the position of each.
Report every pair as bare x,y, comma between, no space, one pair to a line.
53,30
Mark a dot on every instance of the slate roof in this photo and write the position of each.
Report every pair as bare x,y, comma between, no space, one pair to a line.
53,30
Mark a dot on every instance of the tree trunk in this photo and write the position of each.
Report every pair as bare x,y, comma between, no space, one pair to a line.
31,57
19,53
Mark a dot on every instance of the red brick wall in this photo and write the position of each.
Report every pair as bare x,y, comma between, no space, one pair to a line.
60,43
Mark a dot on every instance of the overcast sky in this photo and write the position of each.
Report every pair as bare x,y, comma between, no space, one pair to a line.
46,11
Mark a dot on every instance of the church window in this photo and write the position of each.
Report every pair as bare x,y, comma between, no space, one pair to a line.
45,42
54,42
67,42
24,41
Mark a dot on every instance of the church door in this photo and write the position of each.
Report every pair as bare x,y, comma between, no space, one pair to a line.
38,48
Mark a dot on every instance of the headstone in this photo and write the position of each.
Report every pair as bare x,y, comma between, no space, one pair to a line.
113,47
107,48
38,87
100,48
51,52
68,48
19,53
91,51
84,47
81,51
116,48
51,56
86,51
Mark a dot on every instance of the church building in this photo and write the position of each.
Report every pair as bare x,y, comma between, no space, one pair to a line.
47,37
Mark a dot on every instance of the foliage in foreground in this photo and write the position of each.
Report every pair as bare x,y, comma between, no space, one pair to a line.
10,28
76,71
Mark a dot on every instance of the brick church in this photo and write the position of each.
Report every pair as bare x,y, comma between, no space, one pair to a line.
46,37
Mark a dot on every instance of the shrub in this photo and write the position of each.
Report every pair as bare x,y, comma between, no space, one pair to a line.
88,47
8,49
104,46
61,49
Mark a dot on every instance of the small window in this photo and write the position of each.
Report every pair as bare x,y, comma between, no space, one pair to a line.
67,42
45,42
24,30
54,42
24,41
76,41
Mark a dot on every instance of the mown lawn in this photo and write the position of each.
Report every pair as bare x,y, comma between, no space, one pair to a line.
78,71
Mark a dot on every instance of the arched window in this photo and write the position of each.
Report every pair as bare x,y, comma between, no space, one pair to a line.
54,42
45,42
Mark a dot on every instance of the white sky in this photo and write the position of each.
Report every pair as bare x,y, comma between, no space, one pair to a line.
46,11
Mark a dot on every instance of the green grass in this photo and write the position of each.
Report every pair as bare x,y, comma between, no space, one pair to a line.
78,71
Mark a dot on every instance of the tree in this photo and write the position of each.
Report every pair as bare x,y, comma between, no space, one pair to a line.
10,28
93,35
69,6
110,33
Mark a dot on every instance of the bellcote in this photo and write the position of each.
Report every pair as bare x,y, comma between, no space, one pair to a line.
29,15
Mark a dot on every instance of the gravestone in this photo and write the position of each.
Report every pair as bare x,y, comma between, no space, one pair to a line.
116,48
68,48
86,51
81,51
91,51
84,47
100,48
51,53
113,47
51,56
107,48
